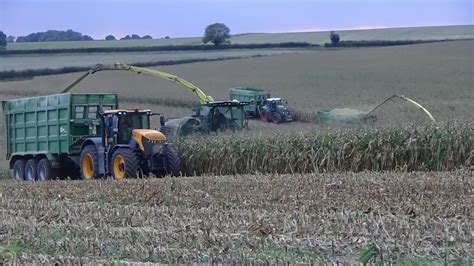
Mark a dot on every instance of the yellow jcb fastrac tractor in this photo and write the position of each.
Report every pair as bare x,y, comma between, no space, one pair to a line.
131,147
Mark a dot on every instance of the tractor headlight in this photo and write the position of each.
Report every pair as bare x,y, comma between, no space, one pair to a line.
158,148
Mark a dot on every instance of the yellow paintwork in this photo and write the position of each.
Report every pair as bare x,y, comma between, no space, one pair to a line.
149,134
119,172
87,166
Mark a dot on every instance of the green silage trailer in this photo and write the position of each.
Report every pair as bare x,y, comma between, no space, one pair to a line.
255,97
46,131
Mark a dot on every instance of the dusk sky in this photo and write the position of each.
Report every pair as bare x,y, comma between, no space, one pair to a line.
181,18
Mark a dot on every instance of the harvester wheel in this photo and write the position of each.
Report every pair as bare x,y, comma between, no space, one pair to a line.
30,169
89,163
45,171
276,118
124,164
19,169
264,116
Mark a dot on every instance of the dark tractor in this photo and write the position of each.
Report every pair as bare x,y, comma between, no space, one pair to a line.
274,110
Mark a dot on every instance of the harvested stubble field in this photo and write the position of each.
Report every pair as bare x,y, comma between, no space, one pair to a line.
235,219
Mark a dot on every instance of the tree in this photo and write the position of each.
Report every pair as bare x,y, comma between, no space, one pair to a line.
217,33
3,41
334,38
110,38
126,38
136,37
147,37
11,38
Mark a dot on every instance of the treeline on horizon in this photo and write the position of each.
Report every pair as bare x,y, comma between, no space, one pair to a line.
54,36
160,48
69,35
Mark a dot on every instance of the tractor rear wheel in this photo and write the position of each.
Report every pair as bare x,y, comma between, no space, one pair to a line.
276,118
30,170
89,163
19,169
124,164
264,116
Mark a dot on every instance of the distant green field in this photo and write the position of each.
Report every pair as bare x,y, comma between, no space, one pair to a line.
101,43
22,62
414,33
390,34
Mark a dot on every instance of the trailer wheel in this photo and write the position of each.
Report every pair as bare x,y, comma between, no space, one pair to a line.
89,163
45,171
19,169
124,164
31,169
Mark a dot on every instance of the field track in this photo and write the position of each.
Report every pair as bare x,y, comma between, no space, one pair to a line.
235,219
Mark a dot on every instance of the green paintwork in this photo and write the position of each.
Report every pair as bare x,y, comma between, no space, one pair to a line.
252,95
51,124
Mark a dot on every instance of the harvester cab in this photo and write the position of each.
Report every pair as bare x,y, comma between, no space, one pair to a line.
222,116
274,110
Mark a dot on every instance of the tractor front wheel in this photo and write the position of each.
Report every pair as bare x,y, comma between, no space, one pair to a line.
172,163
124,164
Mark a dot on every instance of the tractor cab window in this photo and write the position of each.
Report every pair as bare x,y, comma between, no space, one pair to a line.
129,121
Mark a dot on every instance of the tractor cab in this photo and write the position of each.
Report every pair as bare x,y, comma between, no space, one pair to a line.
274,102
125,127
